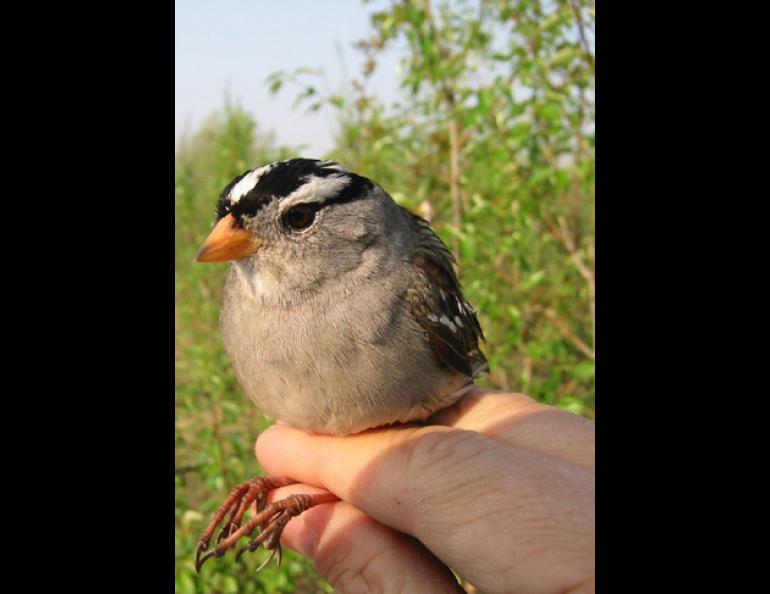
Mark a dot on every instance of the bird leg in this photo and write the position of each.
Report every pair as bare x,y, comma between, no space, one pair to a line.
270,519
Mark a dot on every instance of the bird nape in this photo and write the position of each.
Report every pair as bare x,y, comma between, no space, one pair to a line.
342,312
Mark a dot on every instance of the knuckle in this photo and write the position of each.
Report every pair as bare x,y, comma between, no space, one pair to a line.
430,451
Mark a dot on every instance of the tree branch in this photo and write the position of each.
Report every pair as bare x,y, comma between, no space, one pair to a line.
581,32
562,325
586,272
562,233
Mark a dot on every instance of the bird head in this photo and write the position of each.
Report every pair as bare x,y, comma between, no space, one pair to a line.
299,222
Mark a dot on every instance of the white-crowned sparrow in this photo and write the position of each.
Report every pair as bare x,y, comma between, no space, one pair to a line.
342,312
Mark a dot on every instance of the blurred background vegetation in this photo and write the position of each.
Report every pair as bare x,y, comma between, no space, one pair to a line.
492,139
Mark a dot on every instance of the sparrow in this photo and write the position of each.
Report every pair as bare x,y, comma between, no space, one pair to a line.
342,312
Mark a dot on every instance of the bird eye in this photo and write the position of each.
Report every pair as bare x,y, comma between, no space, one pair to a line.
300,216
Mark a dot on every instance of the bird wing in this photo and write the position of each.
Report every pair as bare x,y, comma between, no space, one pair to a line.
436,301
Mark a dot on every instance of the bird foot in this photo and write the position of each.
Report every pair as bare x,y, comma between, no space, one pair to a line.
270,519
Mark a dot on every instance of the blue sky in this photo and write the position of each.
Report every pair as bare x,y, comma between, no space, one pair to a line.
233,45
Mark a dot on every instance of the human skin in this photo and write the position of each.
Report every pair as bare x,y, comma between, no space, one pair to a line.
498,487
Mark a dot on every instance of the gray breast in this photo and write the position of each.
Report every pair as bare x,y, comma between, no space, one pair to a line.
338,362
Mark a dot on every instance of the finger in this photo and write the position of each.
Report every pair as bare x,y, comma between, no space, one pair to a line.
519,420
356,554
360,468
484,508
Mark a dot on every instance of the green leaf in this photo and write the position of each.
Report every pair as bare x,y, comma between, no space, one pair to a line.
571,403
185,584
551,21
534,280
229,585
565,55
583,371
551,111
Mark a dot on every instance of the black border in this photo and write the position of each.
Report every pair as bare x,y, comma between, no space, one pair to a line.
89,219
89,239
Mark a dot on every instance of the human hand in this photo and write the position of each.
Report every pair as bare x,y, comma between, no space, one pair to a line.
498,487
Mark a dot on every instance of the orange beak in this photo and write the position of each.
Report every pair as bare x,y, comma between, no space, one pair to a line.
227,241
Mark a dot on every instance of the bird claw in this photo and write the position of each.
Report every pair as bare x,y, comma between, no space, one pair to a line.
270,558
199,561
270,519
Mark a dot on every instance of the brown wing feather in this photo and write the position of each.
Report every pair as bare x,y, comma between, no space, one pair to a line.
437,302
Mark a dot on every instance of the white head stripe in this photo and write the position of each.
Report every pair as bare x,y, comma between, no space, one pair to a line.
247,183
316,189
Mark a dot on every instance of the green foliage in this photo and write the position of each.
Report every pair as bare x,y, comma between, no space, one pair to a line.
493,140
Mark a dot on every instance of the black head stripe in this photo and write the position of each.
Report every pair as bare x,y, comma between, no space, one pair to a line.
281,180
288,176
357,188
